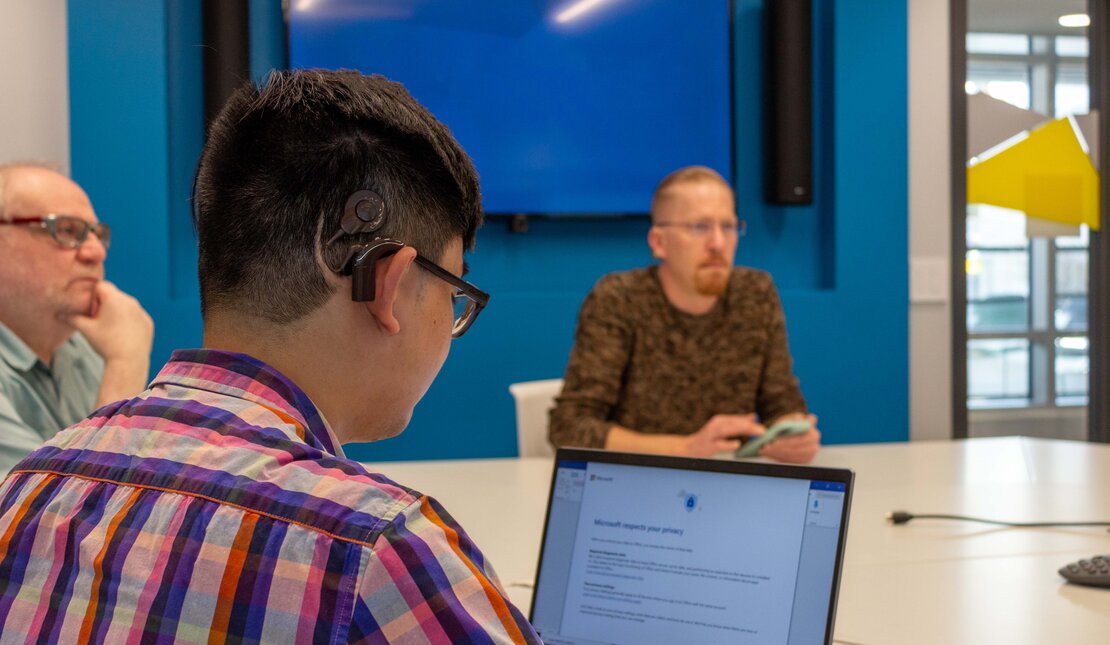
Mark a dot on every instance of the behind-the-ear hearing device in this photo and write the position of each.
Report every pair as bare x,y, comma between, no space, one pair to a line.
363,263
363,213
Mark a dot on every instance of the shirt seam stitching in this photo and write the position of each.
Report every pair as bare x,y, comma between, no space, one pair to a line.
286,407
347,614
215,500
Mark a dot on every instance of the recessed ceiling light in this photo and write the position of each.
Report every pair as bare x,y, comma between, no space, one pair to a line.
1075,20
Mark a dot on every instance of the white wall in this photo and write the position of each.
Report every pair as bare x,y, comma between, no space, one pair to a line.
34,90
930,178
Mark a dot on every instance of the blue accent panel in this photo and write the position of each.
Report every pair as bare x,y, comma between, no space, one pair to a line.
851,345
185,105
795,243
120,107
841,263
117,71
267,38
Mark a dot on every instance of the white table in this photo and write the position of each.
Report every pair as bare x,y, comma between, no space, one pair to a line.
930,582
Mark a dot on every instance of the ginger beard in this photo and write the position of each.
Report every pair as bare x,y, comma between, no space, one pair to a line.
711,278
694,263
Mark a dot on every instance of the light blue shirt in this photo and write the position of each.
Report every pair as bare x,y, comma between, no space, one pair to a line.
38,400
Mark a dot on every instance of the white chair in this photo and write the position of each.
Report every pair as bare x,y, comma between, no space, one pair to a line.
534,399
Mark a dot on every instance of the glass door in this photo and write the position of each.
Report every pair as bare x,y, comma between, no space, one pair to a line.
1026,225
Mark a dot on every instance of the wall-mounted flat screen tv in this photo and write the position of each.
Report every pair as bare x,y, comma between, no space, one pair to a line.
568,107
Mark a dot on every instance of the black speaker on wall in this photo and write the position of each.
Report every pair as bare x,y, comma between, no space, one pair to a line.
788,107
227,62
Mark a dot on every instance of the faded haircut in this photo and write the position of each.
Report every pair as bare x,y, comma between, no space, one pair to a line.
281,161
687,175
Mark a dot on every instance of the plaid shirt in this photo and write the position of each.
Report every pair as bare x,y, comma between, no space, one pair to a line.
217,506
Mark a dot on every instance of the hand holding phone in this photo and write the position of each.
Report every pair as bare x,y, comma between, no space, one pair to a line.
784,428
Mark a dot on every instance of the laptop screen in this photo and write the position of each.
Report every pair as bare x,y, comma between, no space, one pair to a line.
647,549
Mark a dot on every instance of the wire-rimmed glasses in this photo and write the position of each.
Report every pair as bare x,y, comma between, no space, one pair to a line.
705,227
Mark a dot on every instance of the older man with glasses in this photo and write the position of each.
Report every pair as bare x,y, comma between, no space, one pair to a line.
70,342
690,356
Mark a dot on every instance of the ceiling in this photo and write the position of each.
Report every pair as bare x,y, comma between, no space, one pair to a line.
1023,16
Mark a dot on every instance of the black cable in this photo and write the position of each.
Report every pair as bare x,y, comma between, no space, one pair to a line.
902,517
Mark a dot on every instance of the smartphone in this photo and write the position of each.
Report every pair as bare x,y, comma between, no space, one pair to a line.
786,428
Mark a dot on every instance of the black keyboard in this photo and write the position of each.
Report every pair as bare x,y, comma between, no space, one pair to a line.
1094,572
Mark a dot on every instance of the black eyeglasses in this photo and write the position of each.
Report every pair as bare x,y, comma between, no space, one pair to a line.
468,299
68,231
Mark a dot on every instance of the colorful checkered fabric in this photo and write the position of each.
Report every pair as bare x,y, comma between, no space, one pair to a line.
217,506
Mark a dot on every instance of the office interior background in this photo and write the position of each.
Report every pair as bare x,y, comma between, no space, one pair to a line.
910,314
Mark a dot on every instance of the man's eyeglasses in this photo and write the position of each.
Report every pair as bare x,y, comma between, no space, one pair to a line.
705,228
68,231
468,299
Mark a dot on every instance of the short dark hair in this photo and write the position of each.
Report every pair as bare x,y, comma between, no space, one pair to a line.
280,162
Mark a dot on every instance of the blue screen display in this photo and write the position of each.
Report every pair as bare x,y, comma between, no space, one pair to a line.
566,106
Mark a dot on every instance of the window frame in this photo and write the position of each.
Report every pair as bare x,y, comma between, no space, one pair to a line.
1043,65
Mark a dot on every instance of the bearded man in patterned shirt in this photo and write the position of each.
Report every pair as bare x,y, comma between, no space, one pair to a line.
688,357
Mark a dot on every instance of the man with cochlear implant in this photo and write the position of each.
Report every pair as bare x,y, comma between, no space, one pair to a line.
688,357
332,212
70,341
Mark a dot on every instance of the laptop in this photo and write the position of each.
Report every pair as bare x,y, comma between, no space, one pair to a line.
653,549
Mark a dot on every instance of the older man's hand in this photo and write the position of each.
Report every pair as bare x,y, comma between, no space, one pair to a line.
121,331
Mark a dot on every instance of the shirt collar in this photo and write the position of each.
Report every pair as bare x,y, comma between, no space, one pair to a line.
14,351
247,378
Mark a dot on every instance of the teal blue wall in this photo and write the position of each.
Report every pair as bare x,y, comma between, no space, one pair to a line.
129,128
841,263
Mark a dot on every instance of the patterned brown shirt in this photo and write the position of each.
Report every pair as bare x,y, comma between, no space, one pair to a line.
641,363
